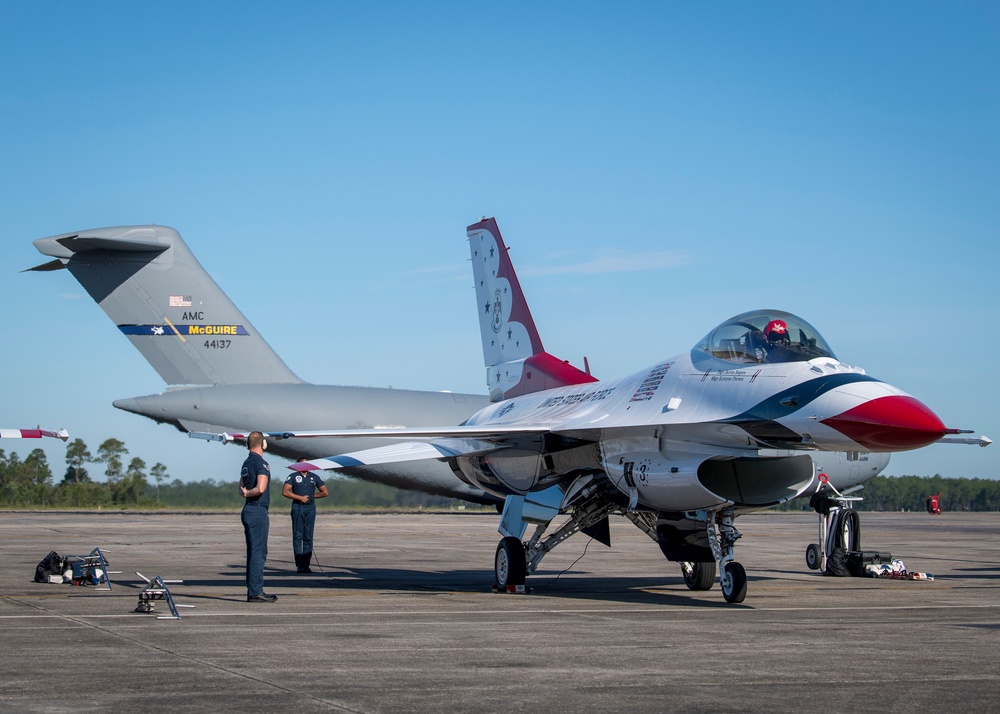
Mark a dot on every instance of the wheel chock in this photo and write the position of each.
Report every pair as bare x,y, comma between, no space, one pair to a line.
511,589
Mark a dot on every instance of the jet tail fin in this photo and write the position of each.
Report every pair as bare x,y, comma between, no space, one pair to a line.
160,297
516,362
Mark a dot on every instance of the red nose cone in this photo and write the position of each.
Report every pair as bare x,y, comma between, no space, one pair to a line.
892,423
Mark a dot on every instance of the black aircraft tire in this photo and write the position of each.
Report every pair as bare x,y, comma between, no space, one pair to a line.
813,556
509,564
698,576
734,583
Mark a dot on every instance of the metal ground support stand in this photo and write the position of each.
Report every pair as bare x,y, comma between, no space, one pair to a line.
156,589
829,516
93,566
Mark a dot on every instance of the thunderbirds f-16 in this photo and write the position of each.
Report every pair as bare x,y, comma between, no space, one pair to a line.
681,448
747,419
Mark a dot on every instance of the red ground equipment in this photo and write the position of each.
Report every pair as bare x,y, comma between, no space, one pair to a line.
934,504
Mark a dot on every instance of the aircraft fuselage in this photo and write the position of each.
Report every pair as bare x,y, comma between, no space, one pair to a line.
697,432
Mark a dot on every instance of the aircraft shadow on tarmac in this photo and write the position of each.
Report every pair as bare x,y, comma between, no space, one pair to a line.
987,573
636,590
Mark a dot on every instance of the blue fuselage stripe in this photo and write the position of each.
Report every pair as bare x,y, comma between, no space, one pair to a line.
794,398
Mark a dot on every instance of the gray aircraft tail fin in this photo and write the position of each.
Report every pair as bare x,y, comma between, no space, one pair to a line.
160,297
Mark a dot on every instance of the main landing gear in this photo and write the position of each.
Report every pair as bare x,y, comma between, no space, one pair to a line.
703,542
698,576
510,563
514,560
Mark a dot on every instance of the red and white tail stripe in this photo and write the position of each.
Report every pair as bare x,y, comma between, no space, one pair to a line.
33,434
516,363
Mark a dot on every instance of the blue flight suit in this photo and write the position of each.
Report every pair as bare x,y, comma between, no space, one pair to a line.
303,516
255,522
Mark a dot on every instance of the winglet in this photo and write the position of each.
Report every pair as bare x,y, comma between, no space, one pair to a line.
516,362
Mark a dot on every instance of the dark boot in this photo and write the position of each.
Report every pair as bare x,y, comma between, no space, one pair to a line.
300,564
306,557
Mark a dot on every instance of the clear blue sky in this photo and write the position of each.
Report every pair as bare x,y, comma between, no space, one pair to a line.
655,167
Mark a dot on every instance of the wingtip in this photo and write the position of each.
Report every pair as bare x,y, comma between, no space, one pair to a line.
302,466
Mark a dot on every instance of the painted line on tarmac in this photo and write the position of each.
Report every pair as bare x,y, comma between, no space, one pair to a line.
255,611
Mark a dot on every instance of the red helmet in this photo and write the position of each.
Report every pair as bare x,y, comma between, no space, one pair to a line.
776,330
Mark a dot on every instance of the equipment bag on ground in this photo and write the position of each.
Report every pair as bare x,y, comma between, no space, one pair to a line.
51,565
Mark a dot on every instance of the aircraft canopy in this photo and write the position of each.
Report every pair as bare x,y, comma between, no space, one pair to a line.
765,336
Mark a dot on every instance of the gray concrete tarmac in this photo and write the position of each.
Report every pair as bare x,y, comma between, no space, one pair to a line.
400,617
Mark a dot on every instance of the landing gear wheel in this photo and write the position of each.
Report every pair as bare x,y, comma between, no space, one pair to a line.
698,576
509,564
734,582
813,556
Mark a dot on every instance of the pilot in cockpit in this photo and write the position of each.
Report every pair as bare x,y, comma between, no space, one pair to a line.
767,345
765,337
776,333
776,341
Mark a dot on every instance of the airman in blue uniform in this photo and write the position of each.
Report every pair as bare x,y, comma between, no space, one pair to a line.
255,477
303,488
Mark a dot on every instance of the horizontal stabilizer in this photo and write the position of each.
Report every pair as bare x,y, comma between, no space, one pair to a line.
85,244
56,264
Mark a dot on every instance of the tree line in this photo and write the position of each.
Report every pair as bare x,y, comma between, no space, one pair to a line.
29,483
910,493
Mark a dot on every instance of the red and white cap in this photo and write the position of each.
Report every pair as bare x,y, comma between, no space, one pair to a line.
778,328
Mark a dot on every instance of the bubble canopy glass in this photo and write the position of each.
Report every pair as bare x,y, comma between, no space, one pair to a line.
765,337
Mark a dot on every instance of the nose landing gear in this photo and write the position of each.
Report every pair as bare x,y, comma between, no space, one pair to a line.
732,575
734,582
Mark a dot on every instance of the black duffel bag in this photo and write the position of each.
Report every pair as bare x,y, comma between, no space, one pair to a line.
51,564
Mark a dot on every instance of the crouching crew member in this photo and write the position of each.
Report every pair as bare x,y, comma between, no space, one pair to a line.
303,489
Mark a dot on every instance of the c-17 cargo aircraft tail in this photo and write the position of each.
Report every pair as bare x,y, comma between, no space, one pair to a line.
221,374
158,295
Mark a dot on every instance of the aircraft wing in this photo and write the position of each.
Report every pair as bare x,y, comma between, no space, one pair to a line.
443,443
424,443
33,434
486,432
396,453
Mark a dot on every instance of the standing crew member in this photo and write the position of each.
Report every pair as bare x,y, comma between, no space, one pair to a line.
255,477
303,489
